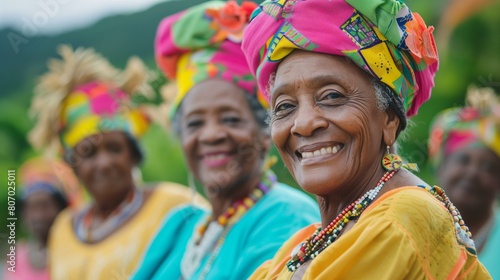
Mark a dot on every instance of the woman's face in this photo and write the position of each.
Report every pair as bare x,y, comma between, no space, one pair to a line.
325,122
221,139
471,177
39,211
104,163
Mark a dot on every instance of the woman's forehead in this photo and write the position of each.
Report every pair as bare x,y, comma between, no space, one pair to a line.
310,69
213,95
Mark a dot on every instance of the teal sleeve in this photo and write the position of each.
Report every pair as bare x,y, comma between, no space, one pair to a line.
490,255
273,226
168,244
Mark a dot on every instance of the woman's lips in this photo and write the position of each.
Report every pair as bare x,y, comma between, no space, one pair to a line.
318,153
216,159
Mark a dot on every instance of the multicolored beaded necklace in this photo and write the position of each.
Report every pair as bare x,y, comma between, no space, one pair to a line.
83,221
210,236
322,238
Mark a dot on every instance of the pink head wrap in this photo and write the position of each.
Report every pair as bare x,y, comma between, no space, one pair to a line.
383,37
204,42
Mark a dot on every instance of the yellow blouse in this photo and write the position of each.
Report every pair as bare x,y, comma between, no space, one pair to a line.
116,256
405,234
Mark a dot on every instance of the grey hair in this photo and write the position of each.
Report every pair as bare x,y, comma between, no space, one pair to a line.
388,99
260,114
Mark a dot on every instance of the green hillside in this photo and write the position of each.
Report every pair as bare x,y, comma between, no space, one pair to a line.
474,57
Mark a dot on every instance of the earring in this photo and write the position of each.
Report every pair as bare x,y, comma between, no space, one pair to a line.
392,162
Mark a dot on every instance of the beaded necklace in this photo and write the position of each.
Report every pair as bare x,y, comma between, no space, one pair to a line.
322,238
83,221
210,236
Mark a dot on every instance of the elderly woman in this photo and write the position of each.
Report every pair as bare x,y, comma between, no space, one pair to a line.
464,148
47,187
341,90
220,120
83,106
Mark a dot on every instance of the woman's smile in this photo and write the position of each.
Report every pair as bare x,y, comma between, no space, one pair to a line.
318,152
216,159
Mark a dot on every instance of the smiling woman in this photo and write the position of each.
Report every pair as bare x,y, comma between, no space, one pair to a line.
220,119
83,108
340,93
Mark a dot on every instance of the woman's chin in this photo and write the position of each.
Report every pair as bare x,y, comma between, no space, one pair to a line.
319,182
316,186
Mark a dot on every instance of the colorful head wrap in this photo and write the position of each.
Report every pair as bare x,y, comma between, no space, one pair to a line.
83,95
382,37
476,124
51,176
203,42
98,107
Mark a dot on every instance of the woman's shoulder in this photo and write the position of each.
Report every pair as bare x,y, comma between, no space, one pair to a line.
414,199
285,208
414,208
63,221
283,193
170,194
421,216
184,214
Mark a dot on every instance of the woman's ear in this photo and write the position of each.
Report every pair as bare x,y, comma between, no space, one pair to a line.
264,139
391,126
72,159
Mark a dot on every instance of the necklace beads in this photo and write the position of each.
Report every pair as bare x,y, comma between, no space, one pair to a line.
322,238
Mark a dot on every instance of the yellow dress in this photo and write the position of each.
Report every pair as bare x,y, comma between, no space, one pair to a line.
405,234
116,256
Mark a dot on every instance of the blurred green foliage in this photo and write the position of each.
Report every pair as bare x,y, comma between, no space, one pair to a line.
473,57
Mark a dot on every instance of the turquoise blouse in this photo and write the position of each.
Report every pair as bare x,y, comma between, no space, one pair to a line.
254,239
490,254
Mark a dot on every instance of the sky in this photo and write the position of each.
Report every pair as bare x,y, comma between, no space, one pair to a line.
41,17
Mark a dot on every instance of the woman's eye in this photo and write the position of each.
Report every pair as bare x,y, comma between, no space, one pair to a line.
283,107
115,148
331,95
231,120
194,123
486,167
85,149
462,160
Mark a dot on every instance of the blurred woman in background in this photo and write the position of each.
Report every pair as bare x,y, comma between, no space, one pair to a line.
220,118
464,148
83,107
47,187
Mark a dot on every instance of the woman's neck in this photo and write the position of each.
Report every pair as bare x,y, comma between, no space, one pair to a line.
476,218
222,200
40,242
103,209
333,204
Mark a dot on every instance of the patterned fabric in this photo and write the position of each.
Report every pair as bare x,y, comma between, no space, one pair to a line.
99,107
382,37
386,244
52,176
456,128
204,42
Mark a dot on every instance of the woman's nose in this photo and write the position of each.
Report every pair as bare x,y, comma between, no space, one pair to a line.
308,119
212,133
